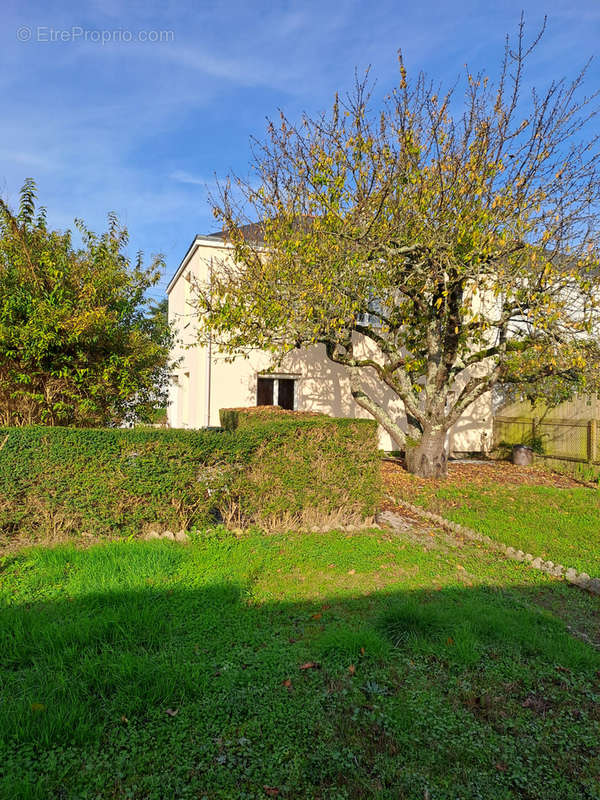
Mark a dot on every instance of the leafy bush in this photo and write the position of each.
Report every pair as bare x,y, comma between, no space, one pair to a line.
57,481
80,343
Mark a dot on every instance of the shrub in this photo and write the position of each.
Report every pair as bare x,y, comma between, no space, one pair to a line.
58,481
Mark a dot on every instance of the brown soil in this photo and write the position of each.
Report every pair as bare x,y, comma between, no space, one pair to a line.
489,473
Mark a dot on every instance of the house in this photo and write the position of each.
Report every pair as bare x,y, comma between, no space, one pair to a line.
205,380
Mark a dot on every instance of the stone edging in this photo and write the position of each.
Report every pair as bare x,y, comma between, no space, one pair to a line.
581,579
180,536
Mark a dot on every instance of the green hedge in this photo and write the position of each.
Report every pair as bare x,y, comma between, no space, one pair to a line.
58,481
234,418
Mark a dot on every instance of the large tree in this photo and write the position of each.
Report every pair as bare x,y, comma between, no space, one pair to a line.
459,239
77,344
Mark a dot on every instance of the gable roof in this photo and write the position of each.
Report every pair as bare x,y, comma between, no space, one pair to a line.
253,231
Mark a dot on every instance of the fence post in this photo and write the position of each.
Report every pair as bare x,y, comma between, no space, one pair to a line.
592,437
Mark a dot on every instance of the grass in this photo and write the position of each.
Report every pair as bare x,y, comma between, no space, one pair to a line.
559,524
338,665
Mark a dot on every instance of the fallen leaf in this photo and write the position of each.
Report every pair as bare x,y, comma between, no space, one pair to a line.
124,719
317,616
449,640
310,665
272,791
352,669
172,712
537,704
351,572
362,651
287,683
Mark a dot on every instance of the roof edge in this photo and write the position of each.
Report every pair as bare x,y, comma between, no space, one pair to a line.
208,241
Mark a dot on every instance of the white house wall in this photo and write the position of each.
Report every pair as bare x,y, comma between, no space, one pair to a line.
321,385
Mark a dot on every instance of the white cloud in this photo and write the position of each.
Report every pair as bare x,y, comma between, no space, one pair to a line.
181,176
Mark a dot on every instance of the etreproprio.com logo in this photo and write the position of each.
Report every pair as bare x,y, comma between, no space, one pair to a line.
44,33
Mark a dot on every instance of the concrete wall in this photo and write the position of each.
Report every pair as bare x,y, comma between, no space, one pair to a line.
201,386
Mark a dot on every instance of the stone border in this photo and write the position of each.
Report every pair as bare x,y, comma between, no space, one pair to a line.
180,536
581,579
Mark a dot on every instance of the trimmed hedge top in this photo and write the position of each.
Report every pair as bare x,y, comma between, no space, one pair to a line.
233,418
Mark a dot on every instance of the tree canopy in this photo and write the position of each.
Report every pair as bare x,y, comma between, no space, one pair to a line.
445,246
77,344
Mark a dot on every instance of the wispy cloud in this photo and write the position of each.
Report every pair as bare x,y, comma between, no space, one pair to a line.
181,176
32,160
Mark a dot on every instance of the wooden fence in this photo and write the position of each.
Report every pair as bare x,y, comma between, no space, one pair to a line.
562,439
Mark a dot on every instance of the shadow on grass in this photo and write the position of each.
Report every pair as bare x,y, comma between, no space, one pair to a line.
197,692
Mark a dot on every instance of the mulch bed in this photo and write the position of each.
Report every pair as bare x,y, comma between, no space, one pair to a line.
479,473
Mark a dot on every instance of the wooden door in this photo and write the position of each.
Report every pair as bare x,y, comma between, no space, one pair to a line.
264,392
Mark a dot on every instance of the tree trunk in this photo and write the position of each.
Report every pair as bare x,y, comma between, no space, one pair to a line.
428,458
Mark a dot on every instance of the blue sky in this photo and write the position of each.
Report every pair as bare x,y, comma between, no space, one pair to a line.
141,127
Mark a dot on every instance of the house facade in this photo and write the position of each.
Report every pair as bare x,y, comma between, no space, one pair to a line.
205,380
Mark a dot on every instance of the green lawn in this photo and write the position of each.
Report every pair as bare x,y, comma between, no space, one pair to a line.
561,525
365,665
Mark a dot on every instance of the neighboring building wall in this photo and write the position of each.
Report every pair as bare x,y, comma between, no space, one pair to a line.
201,386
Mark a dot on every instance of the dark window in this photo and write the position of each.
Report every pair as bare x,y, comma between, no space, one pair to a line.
264,392
271,391
285,393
